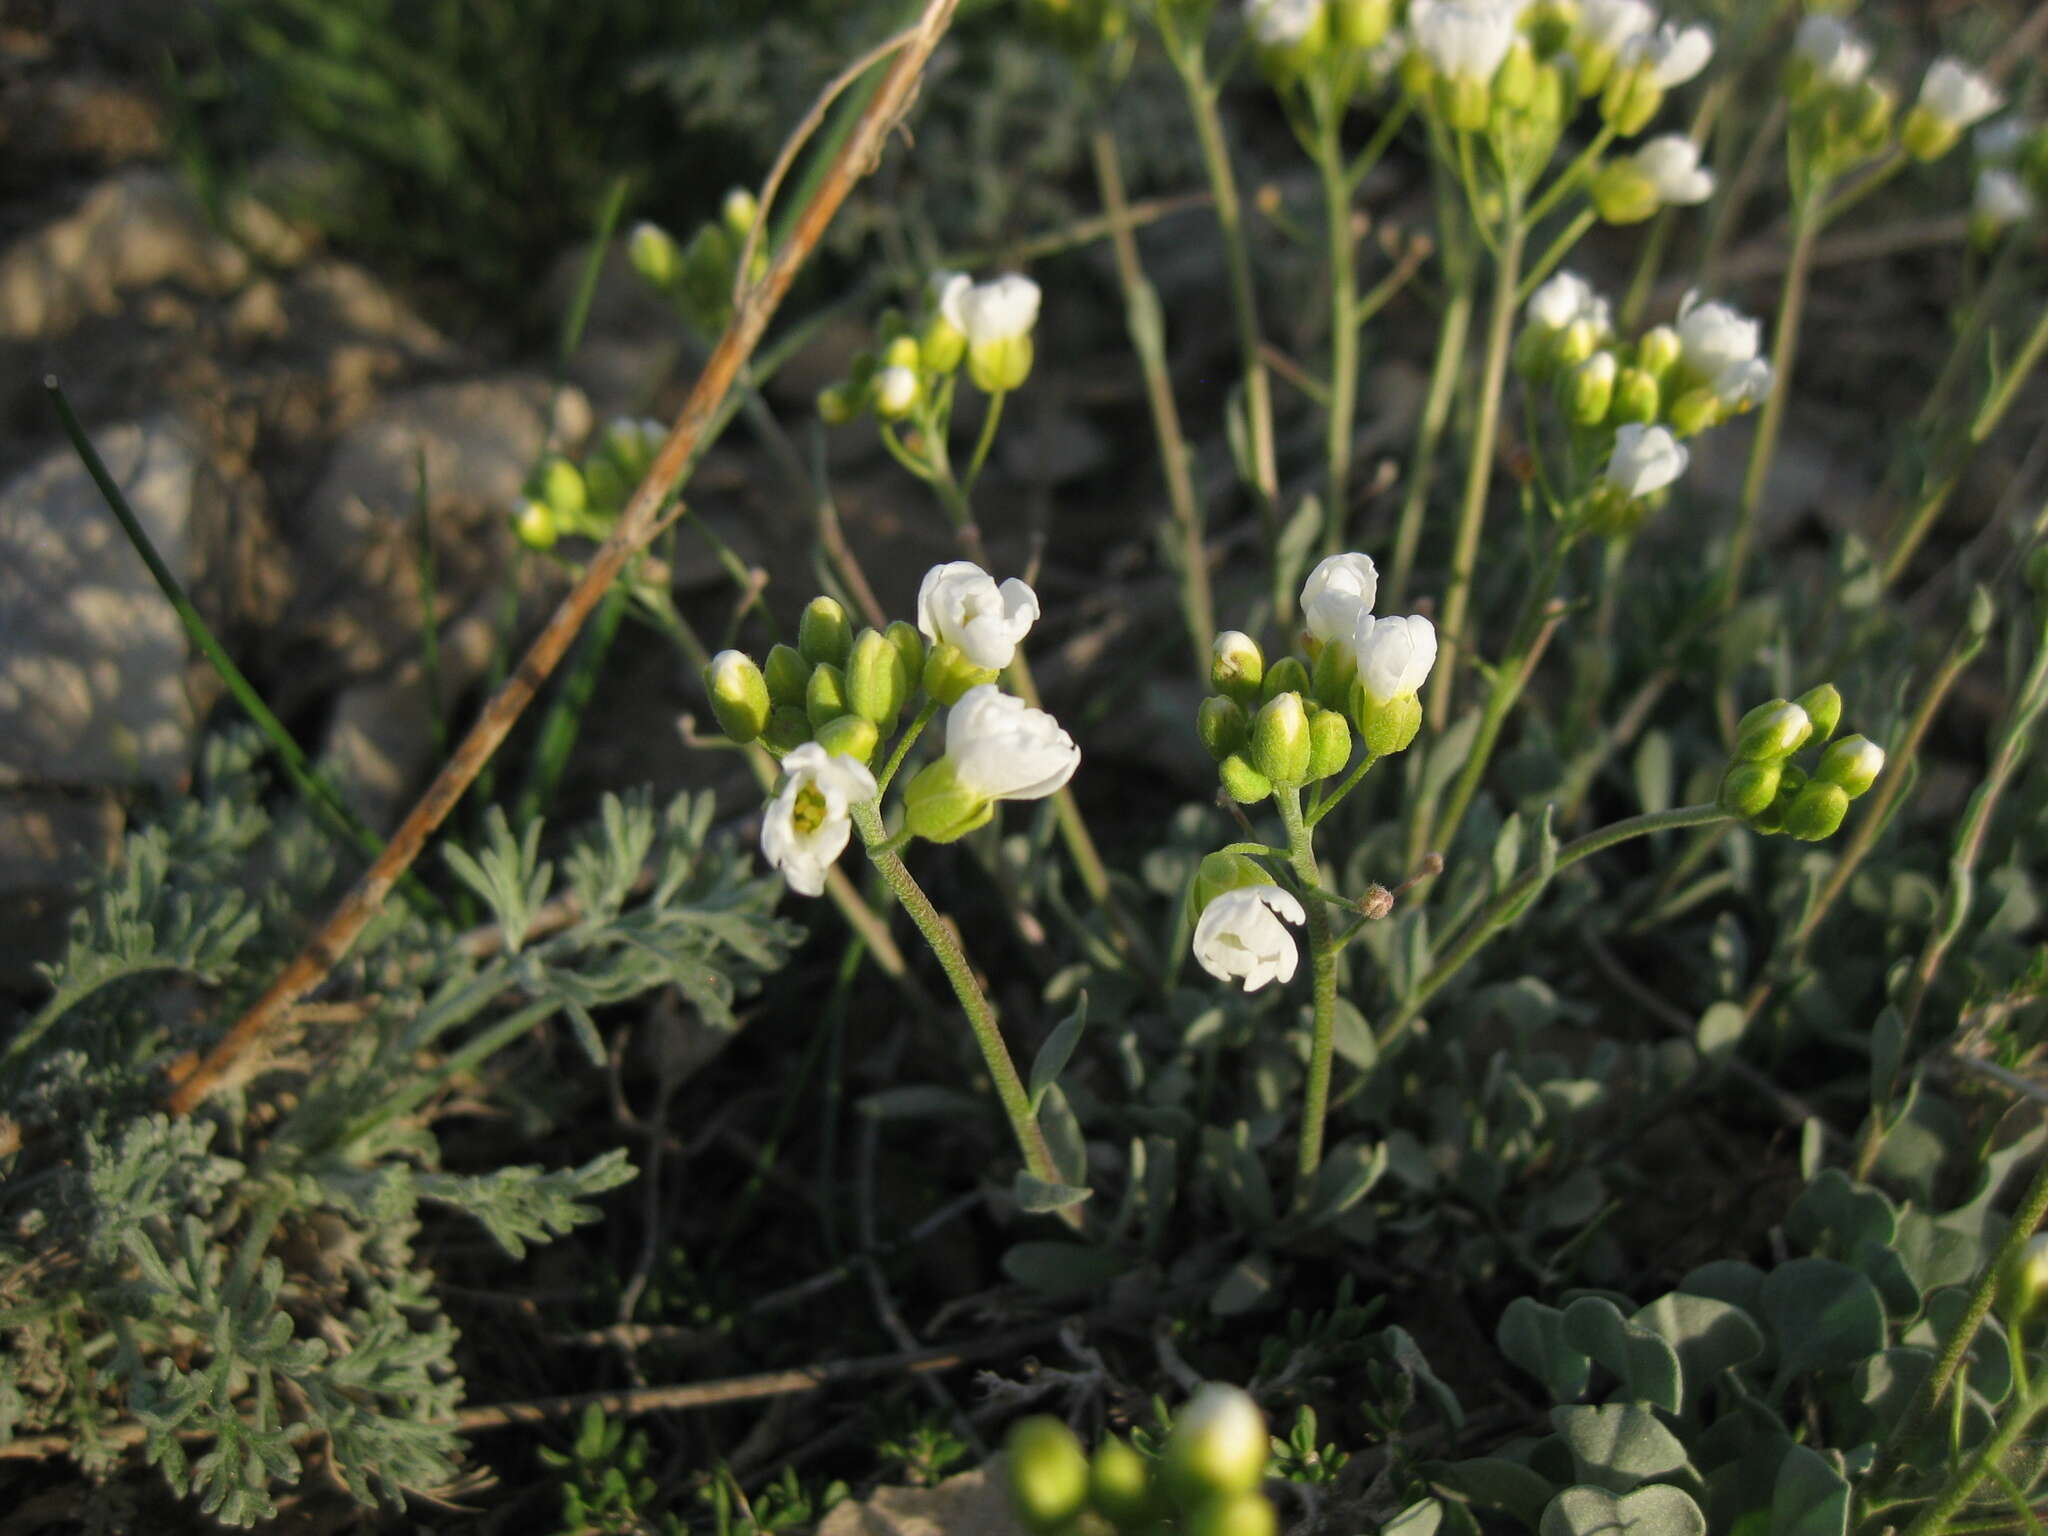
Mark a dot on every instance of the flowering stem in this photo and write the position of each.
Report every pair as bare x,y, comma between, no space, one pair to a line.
1258,392
945,946
1341,421
1500,327
922,719
1785,350
1323,962
1329,802
1569,177
1148,340
1436,405
1504,907
985,441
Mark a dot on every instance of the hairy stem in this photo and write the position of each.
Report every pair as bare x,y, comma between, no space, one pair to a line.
1341,421
1315,1108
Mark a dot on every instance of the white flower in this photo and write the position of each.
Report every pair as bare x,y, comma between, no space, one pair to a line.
999,310
2001,198
1671,161
1394,654
1464,38
1672,54
2000,143
1002,749
1712,338
1281,23
1240,935
1337,591
1645,459
1838,55
1611,23
1957,95
946,290
1741,385
806,825
959,603
1566,299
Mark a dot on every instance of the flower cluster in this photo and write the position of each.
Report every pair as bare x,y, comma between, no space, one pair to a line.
1630,406
1765,787
986,325
698,278
564,498
827,704
1206,1477
1843,115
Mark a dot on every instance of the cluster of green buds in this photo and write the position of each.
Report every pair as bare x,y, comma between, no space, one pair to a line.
1339,39
1205,1480
1290,723
698,278
565,498
910,376
1770,791
1629,406
827,707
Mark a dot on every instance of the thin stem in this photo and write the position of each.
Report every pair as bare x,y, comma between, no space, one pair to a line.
1479,466
989,418
1436,412
1784,353
903,746
1502,907
1335,797
1569,177
945,947
1143,318
1315,1107
1341,422
1558,249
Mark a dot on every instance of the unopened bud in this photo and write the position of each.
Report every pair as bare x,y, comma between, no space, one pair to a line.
1851,764
788,729
1823,706
1376,903
1589,390
1237,666
1658,350
1816,811
655,256
1637,397
1774,730
939,808
824,633
838,403
1385,726
1622,194
1048,1473
536,526
908,643
788,674
1220,872
1695,411
1287,675
1362,24
1248,1514
1514,83
1242,782
874,679
948,673
896,391
1925,136
1222,724
1329,737
1120,1482
739,211
825,699
1000,366
1336,665
1218,1447
2023,1286
850,736
1280,739
1748,789
739,695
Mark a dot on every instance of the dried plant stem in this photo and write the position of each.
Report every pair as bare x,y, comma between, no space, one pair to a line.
642,519
1500,328
1148,339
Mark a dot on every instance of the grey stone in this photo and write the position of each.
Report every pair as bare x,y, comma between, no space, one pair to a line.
972,1504
137,229
92,656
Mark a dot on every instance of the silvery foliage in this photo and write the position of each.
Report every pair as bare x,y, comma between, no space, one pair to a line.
242,1287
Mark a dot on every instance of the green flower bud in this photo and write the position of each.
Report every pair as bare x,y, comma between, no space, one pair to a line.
739,211
1631,98
1221,872
901,353
1823,706
1978,616
1464,101
788,674
1222,725
1385,726
1514,83
948,673
851,735
1695,411
1636,398
1658,351
874,679
1218,1447
1622,194
1242,782
1336,666
1589,389
896,392
838,403
1048,1473
1574,344
938,808
1120,1480
1851,765
607,488
788,729
1775,731
1872,109
1280,739
1248,1514
825,699
1595,62
1362,24
943,345
536,526
706,284
1000,366
739,695
909,644
2023,1286
1927,137
655,256
1329,735
560,485
1748,789
1237,667
1816,811
824,634
1417,75
1287,675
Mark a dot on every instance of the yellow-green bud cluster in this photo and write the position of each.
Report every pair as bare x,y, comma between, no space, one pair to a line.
1773,793
843,690
564,498
1279,726
698,277
1205,1481
1334,46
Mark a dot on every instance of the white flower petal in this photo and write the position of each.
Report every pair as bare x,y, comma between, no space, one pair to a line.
1337,591
959,603
1002,749
999,310
817,778
1240,936
1645,460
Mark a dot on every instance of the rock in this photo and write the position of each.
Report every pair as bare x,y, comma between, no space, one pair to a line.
50,841
92,657
134,230
972,1504
633,342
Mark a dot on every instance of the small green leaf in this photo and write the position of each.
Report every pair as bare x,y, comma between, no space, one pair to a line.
1618,1445
1811,1498
1061,1269
1719,1032
1053,1056
1647,1366
1659,1510
1037,1196
1532,1336
1823,1314
1249,1284
1709,1337
1419,1519
1497,1483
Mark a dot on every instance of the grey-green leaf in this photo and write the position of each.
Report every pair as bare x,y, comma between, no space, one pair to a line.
1618,1445
1823,1314
1058,1050
1646,1364
1811,1498
1659,1510
1532,1336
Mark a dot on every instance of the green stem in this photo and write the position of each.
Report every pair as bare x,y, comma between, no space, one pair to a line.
1323,962
1436,412
1558,249
1505,905
1784,354
908,740
989,418
1335,797
1479,467
1147,329
945,947
1341,422
1569,177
